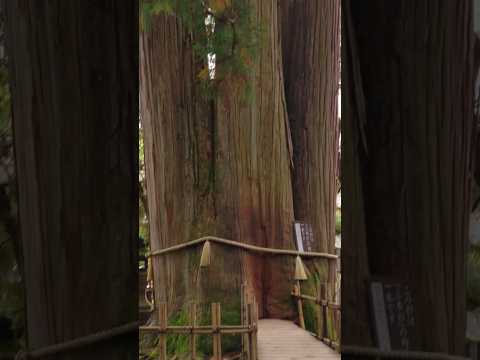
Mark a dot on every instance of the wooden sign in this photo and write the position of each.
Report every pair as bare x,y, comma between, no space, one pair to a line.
393,315
304,237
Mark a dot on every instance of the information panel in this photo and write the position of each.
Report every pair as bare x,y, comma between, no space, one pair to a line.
393,315
304,237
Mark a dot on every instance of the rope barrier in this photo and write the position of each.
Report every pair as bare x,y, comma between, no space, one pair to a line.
397,354
124,329
244,246
78,342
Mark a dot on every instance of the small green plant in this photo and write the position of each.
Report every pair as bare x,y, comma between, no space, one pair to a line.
178,344
309,314
230,344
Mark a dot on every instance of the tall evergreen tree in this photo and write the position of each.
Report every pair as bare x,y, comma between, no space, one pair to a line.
225,166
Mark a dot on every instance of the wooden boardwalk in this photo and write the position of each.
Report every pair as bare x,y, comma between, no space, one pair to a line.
283,340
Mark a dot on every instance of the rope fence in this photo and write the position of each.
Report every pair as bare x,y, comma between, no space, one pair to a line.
216,329
252,248
325,310
248,330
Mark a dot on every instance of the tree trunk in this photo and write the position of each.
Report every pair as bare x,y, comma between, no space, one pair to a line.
311,57
415,59
254,151
355,271
74,90
179,159
222,168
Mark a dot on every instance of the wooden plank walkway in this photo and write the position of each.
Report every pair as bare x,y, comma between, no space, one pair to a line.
283,340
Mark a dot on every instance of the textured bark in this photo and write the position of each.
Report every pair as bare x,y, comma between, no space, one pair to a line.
415,59
75,106
311,57
254,152
216,171
355,271
221,168
178,135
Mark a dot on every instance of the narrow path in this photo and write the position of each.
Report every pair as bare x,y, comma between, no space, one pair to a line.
283,340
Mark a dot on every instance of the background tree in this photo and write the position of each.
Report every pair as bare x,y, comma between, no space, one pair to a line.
311,56
74,90
407,129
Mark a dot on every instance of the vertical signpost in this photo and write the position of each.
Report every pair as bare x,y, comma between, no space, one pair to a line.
304,237
393,315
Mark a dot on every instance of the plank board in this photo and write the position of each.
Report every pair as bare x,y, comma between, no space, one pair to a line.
283,340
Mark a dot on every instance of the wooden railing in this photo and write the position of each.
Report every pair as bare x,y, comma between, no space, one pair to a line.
324,310
248,331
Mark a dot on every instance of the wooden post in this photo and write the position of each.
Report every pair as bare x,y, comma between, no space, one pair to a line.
193,336
298,292
332,279
319,314
246,321
217,336
324,311
163,323
252,311
338,328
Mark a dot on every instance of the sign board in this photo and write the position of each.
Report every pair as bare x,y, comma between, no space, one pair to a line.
304,237
393,315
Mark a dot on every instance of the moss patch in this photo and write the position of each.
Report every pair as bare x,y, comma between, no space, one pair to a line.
230,343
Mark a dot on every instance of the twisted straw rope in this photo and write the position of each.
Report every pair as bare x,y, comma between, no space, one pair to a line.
244,246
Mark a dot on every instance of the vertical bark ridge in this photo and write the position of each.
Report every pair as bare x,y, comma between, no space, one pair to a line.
311,71
74,108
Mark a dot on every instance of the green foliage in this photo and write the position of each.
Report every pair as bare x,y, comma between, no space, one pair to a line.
230,344
178,345
309,314
148,9
225,29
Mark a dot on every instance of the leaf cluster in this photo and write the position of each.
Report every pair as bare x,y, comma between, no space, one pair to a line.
225,39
